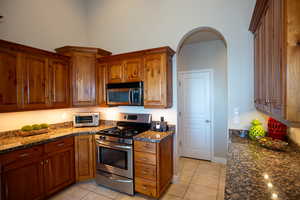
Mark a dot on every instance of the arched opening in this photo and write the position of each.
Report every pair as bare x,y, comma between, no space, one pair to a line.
202,95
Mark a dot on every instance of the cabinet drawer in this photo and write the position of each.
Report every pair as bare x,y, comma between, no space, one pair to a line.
30,153
59,144
146,158
145,171
146,187
145,146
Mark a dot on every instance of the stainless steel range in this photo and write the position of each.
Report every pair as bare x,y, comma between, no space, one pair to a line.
114,152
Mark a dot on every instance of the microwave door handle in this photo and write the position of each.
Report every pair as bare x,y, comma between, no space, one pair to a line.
130,96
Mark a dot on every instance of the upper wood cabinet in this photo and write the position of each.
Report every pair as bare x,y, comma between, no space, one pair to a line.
125,70
83,76
35,82
115,72
133,69
101,81
59,83
152,66
32,78
277,50
9,87
158,81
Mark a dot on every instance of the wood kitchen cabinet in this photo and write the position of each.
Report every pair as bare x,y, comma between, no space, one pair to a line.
158,79
35,78
127,69
37,172
83,76
101,81
153,166
9,87
85,163
59,83
276,46
32,78
151,66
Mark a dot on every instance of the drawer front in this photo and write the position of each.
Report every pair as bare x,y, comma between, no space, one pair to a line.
145,187
30,153
145,147
59,144
145,171
145,158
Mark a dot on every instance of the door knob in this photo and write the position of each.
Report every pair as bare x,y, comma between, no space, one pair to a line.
207,121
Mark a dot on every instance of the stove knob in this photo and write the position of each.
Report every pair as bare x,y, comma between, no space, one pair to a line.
102,137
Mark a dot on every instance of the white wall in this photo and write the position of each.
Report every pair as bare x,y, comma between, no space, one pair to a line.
44,24
211,55
123,26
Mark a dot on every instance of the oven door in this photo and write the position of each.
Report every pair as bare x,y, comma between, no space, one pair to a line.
114,158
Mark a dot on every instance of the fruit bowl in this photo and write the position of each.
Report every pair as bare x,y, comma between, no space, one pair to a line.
273,144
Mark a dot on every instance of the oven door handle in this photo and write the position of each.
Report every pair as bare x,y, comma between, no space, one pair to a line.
130,96
114,146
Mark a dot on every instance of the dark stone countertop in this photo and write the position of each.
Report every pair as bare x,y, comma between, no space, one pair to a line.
256,173
14,142
153,136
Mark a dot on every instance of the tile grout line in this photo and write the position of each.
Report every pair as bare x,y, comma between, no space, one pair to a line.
190,182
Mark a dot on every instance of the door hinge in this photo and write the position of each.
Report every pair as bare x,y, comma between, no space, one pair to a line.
179,113
179,83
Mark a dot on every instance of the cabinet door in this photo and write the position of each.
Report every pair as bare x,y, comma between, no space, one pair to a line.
59,76
85,164
36,82
101,84
83,72
115,72
256,70
23,180
155,81
59,170
133,71
9,80
279,71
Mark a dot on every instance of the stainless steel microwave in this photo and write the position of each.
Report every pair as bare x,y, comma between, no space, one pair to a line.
125,94
86,119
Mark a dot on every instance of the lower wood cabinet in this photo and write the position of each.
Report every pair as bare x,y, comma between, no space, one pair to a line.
34,173
153,166
85,163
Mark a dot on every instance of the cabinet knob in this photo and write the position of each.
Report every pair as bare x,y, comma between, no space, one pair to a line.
42,163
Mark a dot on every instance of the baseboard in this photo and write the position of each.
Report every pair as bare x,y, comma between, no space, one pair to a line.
219,160
175,179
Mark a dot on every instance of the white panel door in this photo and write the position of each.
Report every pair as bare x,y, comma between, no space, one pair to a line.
196,114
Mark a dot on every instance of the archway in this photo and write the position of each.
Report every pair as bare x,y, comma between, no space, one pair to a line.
202,50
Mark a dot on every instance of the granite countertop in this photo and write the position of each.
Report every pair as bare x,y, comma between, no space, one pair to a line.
256,173
153,136
12,143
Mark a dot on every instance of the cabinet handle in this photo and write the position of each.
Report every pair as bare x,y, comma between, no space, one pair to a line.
61,144
144,187
46,161
24,155
144,172
42,163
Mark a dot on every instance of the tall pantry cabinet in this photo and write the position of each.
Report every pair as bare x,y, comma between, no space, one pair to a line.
276,28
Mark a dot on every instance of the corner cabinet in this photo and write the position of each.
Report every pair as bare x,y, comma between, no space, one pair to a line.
83,76
277,50
152,66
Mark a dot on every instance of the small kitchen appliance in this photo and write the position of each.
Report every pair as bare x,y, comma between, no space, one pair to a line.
125,94
114,152
86,119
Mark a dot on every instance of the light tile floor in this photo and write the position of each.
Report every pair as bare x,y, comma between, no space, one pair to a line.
198,180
